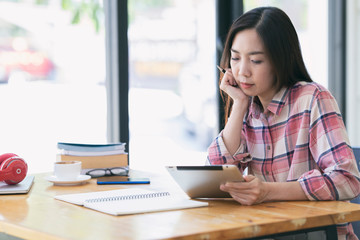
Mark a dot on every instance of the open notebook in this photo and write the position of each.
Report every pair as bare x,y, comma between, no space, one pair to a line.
130,201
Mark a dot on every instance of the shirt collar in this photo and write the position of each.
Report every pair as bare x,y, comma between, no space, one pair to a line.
275,106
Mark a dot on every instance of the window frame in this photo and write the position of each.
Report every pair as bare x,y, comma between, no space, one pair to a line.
117,79
117,70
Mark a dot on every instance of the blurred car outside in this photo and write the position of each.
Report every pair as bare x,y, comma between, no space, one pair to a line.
19,62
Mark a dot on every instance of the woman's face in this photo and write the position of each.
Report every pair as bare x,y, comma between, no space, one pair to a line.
251,66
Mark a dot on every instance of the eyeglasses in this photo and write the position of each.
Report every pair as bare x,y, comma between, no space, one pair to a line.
115,171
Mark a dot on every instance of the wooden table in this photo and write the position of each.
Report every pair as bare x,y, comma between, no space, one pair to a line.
37,215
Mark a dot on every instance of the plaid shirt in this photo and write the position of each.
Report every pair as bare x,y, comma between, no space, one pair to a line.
302,138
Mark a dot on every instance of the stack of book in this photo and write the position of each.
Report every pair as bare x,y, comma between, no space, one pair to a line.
94,155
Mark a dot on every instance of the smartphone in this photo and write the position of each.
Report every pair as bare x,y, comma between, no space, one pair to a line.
122,180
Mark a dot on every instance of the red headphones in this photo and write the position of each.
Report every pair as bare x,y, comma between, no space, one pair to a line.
13,168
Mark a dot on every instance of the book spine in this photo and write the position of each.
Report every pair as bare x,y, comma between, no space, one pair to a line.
91,147
88,162
87,153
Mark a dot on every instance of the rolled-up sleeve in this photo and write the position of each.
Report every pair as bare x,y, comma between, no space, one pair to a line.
218,153
337,176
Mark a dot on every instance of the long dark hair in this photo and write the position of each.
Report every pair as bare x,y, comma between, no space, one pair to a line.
281,44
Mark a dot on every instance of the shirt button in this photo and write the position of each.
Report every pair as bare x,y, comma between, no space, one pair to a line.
268,147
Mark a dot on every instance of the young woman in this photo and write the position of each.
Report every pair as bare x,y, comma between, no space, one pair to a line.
285,128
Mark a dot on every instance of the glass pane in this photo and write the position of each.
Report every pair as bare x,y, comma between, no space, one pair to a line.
172,99
310,19
353,72
52,74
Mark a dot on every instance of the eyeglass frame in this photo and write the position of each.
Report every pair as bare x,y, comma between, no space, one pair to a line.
106,170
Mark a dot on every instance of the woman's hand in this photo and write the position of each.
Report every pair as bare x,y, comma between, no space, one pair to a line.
232,132
250,192
228,84
253,191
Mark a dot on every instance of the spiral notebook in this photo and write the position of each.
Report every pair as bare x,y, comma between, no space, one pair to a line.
130,201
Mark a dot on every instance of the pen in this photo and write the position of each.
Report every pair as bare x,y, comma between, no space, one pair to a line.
221,69
224,71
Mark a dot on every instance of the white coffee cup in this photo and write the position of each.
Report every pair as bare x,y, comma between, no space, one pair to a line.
67,170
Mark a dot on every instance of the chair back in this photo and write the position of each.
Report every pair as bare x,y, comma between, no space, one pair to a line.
356,225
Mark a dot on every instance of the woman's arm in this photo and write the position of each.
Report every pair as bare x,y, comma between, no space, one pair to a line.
255,191
337,177
229,147
232,131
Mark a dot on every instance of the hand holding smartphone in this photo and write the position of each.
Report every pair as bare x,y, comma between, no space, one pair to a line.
122,180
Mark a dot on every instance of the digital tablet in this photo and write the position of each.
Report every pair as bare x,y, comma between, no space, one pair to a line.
205,181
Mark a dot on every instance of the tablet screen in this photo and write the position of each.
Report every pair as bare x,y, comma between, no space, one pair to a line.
205,181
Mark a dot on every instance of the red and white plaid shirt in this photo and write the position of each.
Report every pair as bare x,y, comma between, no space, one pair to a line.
301,138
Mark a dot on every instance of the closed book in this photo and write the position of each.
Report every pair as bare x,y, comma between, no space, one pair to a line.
91,153
89,162
91,147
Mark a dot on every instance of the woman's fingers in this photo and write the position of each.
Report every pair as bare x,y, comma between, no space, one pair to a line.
249,192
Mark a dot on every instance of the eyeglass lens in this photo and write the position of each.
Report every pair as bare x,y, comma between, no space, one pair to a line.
100,172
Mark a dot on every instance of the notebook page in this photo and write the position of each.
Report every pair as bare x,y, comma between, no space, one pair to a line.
80,198
143,205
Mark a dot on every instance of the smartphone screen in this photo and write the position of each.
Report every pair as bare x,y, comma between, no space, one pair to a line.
122,180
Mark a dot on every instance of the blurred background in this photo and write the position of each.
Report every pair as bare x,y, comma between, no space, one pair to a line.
53,75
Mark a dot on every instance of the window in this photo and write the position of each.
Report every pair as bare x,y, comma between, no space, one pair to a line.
172,98
353,72
310,19
52,74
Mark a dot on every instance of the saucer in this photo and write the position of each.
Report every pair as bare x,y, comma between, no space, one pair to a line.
79,180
